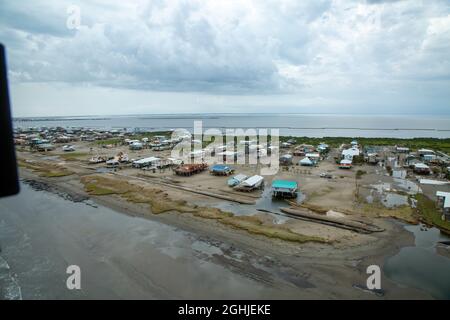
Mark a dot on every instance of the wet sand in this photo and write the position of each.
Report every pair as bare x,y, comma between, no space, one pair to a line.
175,255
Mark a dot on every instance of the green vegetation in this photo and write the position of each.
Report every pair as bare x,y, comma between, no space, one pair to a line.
137,136
430,213
73,156
404,213
414,143
150,135
109,141
389,170
358,159
359,174
255,225
45,169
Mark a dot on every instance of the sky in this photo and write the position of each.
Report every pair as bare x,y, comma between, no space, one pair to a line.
106,57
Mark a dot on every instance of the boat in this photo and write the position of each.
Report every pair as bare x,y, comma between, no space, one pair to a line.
237,179
250,184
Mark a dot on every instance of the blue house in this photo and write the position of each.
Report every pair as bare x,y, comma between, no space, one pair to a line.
284,189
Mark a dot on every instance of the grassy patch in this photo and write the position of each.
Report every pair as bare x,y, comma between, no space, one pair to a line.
404,213
108,141
360,173
320,193
45,169
73,156
255,225
430,213
155,198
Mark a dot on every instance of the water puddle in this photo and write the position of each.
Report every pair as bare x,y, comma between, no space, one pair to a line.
51,158
421,266
265,204
408,186
104,170
391,200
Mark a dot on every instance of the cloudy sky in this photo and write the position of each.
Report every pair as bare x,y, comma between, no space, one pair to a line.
126,57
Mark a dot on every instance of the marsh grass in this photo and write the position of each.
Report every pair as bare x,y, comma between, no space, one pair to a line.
45,169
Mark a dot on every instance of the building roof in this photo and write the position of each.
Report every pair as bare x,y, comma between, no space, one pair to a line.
253,180
421,165
305,161
447,202
227,153
425,150
350,152
312,155
284,184
146,160
433,182
442,194
239,177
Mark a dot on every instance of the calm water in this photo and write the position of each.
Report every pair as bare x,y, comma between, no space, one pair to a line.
420,266
312,125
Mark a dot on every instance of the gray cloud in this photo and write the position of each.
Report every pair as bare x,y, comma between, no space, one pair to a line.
336,49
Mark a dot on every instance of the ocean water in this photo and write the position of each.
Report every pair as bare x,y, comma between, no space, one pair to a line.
311,125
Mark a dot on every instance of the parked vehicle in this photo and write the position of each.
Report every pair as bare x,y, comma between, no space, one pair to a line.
68,148
326,175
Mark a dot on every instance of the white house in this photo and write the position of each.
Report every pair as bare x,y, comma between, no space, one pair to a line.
348,154
146,162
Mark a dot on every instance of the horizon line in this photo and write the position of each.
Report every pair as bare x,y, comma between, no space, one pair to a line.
234,113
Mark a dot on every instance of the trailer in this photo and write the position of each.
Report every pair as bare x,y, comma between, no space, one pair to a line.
146,162
190,169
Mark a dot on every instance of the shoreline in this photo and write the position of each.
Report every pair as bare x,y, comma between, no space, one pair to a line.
321,260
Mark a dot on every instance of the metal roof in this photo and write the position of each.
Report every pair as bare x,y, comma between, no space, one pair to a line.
305,161
284,184
442,194
253,180
447,202
146,160
239,177
312,155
